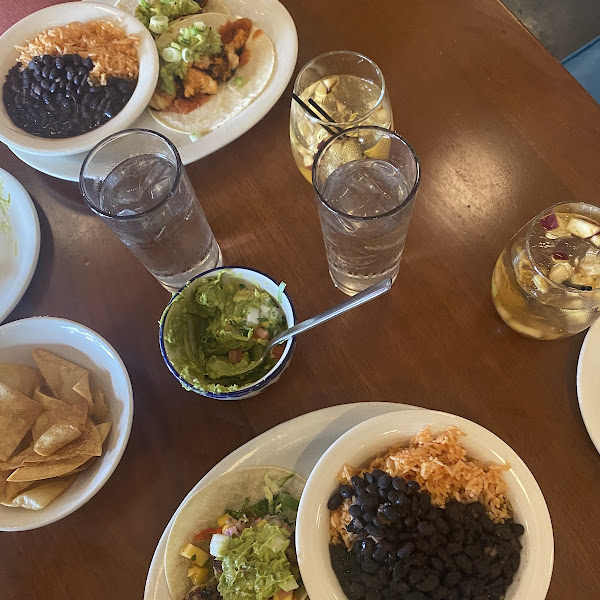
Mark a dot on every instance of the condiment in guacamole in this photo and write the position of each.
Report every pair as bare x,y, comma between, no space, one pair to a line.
216,328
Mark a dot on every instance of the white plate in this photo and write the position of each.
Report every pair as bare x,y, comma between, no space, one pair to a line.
86,348
359,445
297,444
588,383
268,15
19,243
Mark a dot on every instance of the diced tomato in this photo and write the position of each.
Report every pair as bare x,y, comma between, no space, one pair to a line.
260,333
206,534
277,351
235,356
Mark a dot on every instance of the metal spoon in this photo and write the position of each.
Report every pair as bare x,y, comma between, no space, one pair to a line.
372,292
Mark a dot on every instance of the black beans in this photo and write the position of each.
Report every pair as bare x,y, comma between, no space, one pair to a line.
34,98
406,548
334,502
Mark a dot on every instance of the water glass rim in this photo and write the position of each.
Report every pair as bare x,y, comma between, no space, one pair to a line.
362,117
111,138
411,194
533,262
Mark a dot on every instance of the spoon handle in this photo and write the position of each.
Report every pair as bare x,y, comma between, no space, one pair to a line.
372,292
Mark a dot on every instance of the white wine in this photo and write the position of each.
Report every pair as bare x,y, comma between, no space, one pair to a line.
349,100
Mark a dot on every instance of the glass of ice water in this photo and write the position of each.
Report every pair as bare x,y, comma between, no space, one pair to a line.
136,182
366,180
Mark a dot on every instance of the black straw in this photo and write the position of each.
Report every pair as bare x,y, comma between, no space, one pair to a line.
313,114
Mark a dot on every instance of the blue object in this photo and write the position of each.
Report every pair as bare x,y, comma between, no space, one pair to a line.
584,65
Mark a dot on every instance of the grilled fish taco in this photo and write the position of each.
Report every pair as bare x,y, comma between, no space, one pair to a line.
234,539
211,67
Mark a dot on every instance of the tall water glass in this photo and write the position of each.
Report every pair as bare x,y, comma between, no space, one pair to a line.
366,180
349,87
136,182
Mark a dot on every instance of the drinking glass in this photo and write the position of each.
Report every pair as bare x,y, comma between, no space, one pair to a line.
350,88
546,282
136,182
366,180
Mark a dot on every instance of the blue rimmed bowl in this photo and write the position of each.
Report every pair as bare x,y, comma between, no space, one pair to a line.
251,277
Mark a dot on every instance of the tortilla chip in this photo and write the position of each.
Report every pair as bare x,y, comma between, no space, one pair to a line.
17,415
68,414
13,489
103,430
55,437
48,402
60,374
82,387
86,445
47,469
88,463
18,460
101,410
41,495
22,378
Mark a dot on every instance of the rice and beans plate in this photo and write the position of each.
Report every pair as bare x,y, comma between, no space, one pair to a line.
71,79
424,522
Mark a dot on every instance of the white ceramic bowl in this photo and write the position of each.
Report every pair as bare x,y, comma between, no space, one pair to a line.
86,348
359,445
252,389
61,14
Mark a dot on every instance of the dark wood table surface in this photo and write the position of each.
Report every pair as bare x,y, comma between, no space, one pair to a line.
501,131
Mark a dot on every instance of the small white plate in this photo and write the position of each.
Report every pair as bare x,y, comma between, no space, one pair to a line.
270,16
297,444
359,445
84,347
19,242
588,383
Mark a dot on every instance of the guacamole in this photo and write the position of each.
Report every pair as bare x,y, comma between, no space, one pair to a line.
216,327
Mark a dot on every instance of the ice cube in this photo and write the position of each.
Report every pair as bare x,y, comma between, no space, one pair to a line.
582,227
540,283
559,273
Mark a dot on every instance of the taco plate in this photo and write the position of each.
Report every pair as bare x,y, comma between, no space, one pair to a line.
212,67
234,539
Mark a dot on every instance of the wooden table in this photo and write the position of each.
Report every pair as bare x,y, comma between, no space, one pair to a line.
502,131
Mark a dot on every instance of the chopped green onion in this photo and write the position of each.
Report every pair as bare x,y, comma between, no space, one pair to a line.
175,45
193,557
186,55
239,81
280,292
143,3
158,23
172,55
262,319
195,136
200,25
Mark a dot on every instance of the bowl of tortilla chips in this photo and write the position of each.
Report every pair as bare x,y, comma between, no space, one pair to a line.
66,408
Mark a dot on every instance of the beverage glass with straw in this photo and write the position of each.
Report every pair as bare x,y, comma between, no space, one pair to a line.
366,180
546,282
136,182
343,89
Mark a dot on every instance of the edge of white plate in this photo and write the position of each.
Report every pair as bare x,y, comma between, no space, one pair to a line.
30,212
588,377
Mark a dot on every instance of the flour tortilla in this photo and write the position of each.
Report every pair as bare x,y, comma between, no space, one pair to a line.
212,6
203,509
230,100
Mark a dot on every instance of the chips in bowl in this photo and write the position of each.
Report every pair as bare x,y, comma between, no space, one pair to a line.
53,422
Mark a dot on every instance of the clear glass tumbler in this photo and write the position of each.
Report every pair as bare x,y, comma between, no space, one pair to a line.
136,182
366,180
349,87
546,282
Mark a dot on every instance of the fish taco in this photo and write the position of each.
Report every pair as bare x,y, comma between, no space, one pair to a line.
234,539
212,67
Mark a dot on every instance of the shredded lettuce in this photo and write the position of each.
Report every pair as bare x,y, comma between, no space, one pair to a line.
280,292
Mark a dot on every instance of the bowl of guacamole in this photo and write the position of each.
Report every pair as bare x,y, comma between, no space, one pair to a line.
218,324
